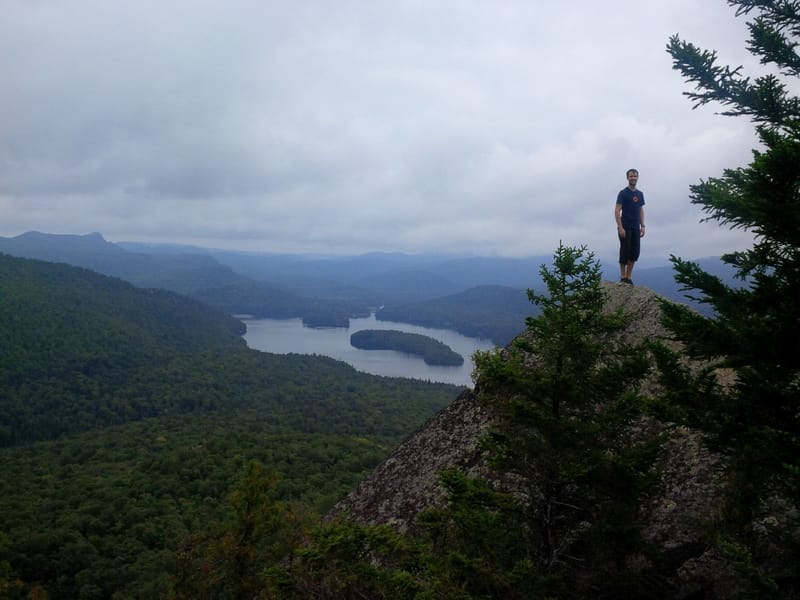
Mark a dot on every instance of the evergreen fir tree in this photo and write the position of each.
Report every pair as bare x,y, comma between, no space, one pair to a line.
756,327
561,397
755,332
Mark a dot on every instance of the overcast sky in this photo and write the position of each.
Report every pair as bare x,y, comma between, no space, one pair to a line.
482,127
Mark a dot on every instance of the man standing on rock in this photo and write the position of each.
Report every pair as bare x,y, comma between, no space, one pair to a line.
629,213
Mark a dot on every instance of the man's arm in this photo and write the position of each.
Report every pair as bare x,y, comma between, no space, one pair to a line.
618,218
641,221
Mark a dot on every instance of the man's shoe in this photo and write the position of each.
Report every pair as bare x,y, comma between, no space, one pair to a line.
626,280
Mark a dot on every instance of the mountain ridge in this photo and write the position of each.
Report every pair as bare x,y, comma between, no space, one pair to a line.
481,297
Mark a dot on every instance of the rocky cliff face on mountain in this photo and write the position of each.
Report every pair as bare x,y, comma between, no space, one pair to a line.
408,481
687,497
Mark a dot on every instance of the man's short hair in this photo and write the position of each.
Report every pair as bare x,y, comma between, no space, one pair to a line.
629,171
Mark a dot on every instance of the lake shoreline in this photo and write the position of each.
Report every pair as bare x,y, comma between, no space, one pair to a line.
291,336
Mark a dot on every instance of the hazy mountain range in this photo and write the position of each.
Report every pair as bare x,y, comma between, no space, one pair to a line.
475,295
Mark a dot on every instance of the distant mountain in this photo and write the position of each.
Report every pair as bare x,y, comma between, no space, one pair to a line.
394,279
328,290
183,270
402,286
376,277
662,281
36,292
491,312
91,251
182,273
476,271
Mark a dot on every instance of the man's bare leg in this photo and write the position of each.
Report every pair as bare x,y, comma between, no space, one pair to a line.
626,271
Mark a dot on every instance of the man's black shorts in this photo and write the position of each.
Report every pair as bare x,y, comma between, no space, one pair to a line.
629,246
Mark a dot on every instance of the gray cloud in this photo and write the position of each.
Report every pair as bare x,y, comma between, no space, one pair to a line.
490,128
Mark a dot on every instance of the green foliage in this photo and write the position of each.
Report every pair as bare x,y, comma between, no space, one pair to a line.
151,489
75,347
568,336
482,546
563,400
753,582
432,351
342,560
129,416
756,331
230,562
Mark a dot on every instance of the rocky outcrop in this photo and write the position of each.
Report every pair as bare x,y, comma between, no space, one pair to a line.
674,519
408,481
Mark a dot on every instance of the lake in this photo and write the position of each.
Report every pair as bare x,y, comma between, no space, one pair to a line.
287,336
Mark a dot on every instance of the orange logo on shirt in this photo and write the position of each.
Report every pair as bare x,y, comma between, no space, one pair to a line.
635,199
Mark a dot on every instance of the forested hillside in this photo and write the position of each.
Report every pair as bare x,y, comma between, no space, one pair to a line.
128,416
491,312
181,273
78,350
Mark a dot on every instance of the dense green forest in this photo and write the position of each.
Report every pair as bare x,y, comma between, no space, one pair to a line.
129,415
432,351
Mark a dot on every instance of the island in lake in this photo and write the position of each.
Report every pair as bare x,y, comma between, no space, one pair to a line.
432,351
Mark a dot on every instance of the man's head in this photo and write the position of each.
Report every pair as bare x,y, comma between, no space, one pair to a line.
633,177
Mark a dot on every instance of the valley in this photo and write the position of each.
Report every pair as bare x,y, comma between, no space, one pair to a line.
128,416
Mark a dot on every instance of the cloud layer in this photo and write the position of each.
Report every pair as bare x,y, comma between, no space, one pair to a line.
470,127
